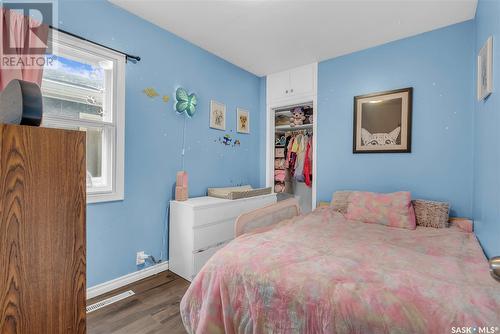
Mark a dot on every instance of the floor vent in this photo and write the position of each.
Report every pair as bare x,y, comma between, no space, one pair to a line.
109,301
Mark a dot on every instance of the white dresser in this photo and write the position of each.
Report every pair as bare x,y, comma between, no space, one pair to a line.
202,225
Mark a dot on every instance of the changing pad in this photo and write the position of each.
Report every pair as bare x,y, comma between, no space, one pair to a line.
237,192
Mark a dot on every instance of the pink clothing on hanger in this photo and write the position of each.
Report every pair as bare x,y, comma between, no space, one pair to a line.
307,165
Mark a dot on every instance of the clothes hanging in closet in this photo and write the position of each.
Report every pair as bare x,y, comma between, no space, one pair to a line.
301,154
298,155
307,164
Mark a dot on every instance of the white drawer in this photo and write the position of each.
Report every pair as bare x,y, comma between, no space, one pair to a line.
209,215
206,236
199,259
201,226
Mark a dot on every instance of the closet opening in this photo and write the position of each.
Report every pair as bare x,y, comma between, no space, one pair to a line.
293,153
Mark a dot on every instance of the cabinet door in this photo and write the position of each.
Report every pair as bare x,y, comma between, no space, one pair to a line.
278,85
302,80
42,230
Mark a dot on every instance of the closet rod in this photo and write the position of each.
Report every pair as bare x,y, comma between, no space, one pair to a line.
294,132
285,108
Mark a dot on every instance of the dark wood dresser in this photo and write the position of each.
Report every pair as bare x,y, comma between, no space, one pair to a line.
42,230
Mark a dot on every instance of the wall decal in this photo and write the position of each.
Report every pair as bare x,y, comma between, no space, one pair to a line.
226,140
150,92
185,102
166,98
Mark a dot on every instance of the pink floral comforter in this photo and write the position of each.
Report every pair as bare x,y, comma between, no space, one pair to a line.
320,273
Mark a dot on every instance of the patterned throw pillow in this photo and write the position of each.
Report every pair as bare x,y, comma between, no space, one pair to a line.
394,209
431,214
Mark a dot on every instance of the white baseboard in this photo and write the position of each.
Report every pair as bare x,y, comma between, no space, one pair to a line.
116,283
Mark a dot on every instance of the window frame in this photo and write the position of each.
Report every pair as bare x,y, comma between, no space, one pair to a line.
116,128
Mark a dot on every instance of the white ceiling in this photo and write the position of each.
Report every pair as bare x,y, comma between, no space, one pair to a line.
264,37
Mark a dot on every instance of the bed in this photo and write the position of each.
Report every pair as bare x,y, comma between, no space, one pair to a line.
321,273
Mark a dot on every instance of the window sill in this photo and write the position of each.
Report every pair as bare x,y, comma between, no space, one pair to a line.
104,197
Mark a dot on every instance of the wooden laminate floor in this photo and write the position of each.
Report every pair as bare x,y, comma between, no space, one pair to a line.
153,309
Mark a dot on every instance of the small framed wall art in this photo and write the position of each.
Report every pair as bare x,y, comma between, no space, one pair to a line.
217,115
382,122
242,120
485,70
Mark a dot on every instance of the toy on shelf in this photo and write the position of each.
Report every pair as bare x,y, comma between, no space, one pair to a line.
297,117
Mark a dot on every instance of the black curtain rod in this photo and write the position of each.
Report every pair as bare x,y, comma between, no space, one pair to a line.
134,59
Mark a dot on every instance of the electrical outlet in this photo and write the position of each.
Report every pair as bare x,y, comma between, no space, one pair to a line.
140,258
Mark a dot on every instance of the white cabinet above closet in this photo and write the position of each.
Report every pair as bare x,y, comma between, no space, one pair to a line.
293,83
278,85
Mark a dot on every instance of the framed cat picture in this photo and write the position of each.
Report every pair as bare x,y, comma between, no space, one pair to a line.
382,122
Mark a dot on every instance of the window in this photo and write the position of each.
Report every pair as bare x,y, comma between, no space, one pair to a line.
83,88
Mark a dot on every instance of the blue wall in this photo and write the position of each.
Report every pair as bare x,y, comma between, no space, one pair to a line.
487,137
116,231
438,65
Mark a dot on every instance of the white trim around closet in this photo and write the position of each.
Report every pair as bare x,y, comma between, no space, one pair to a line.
270,105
